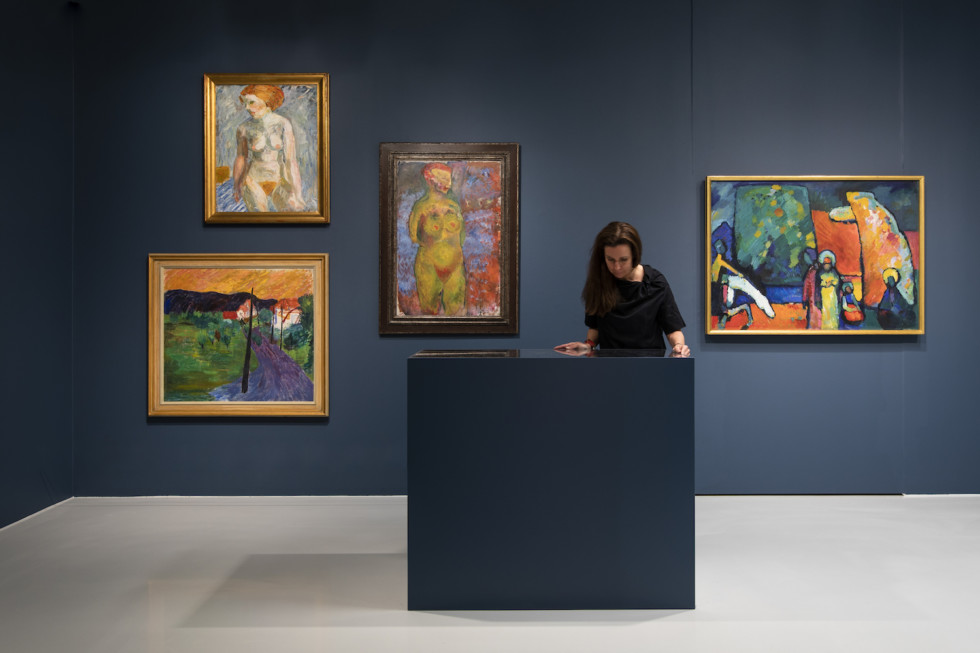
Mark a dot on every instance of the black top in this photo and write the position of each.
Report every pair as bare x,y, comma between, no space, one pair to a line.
646,310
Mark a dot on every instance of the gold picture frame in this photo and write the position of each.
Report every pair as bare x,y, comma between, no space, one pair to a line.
238,335
815,255
267,148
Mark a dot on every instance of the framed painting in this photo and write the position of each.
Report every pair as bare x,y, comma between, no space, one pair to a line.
815,255
238,334
266,148
449,238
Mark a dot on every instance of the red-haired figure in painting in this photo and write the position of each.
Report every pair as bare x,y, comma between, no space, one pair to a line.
266,171
436,225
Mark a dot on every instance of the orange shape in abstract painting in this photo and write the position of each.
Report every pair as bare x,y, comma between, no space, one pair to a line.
883,246
842,239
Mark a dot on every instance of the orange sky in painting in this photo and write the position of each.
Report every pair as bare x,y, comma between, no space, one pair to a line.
268,283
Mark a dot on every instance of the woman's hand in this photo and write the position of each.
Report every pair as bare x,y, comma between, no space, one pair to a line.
580,348
680,350
574,348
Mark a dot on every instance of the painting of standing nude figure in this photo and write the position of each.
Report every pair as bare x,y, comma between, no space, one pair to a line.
238,334
266,148
815,255
438,229
449,238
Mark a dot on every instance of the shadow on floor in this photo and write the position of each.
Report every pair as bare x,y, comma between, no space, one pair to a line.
354,590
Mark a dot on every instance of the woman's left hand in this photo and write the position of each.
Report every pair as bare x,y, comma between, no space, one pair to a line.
680,350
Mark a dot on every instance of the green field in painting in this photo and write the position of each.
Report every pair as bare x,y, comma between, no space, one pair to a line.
195,362
191,370
300,355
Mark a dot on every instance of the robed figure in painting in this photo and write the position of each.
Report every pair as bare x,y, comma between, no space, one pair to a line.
894,311
852,315
830,291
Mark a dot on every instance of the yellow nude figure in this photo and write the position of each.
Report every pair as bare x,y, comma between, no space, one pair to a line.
436,226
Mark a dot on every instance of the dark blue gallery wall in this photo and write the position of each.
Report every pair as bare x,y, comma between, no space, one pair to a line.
620,115
942,444
872,87
598,100
35,438
798,89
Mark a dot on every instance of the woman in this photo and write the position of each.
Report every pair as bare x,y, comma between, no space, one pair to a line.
627,305
266,171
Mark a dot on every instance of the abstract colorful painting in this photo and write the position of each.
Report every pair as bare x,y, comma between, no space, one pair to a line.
815,255
266,149
449,224
238,334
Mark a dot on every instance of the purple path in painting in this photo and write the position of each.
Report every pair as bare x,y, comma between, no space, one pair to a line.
277,378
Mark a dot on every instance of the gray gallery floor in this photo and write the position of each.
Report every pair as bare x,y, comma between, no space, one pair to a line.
786,574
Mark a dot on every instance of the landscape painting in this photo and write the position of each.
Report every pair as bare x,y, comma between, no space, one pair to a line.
238,334
266,148
815,255
449,238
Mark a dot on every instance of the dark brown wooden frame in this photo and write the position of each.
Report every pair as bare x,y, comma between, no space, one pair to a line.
390,322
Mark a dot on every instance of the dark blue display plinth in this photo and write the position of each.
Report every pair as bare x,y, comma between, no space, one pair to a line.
538,481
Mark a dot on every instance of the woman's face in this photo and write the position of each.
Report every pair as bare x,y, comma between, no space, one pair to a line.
619,261
255,105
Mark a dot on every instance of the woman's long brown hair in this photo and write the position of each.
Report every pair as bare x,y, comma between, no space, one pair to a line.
600,293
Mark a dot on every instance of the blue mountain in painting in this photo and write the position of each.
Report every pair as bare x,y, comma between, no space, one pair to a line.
188,301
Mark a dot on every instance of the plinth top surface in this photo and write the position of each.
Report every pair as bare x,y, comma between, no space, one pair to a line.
538,353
